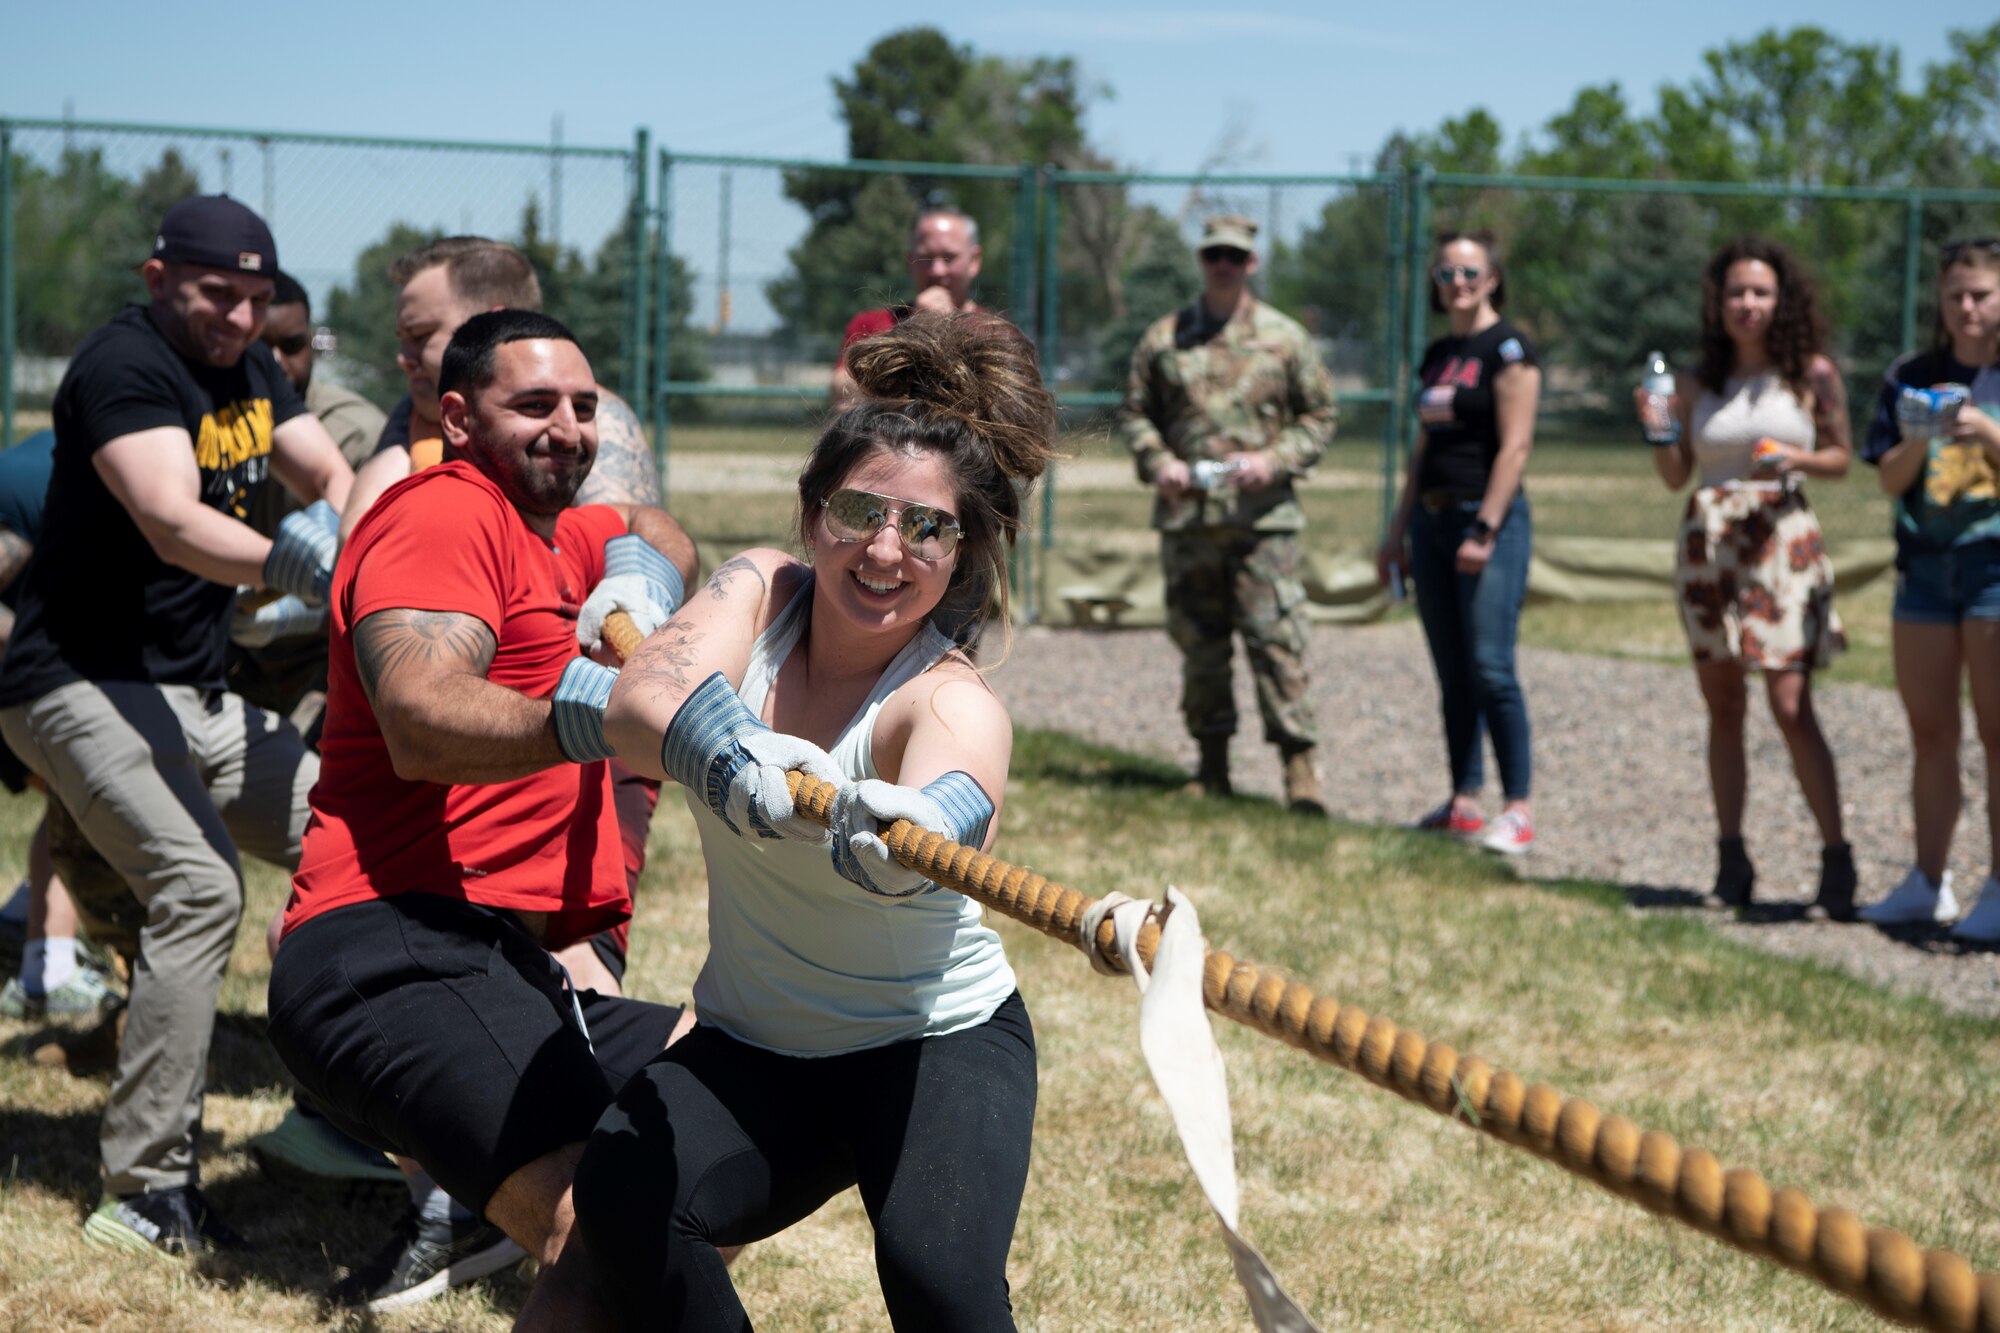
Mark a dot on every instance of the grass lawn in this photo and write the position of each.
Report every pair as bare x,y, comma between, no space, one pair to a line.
1375,1213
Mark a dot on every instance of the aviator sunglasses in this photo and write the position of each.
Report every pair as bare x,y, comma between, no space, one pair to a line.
928,533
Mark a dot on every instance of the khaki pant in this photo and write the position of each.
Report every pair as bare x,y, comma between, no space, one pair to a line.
166,782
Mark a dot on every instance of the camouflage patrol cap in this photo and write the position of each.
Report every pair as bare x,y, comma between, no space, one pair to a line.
1236,232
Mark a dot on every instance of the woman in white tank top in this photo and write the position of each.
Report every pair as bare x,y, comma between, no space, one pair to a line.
1764,409
859,1026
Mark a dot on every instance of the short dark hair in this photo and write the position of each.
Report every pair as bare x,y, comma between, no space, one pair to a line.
486,273
288,292
1486,241
468,361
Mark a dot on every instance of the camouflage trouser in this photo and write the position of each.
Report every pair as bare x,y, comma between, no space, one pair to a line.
1228,580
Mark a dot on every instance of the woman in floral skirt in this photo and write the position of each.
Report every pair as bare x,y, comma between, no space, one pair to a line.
1763,410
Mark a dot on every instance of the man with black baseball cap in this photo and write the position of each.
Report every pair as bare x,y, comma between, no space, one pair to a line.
170,422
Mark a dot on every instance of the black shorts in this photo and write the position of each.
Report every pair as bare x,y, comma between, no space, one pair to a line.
440,1029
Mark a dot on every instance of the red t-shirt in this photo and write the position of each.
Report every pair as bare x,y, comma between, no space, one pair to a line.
446,539
869,323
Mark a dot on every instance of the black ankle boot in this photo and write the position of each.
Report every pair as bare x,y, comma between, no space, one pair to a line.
1835,900
1735,877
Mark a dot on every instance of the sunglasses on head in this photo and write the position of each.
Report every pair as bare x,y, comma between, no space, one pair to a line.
928,533
1446,274
1225,254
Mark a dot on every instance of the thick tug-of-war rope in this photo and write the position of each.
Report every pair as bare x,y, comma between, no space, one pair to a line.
1883,1269
1877,1267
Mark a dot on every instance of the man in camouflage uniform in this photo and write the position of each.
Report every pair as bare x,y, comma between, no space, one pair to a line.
1230,383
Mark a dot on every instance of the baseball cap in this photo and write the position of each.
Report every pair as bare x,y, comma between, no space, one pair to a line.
1238,233
215,231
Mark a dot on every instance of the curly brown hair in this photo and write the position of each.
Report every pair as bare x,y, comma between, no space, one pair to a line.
966,386
1797,333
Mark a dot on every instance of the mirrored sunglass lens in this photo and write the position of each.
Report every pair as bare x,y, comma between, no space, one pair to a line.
854,515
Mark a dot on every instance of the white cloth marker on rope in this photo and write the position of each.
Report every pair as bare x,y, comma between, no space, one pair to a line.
1187,1068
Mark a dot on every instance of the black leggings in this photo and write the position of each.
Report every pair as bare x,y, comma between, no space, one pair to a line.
719,1143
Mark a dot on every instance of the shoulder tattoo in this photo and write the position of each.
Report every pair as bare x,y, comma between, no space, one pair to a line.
452,641
624,472
722,583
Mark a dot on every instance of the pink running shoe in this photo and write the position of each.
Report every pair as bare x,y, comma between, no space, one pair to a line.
1511,834
1446,819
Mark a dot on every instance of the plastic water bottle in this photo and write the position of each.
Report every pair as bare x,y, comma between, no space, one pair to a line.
1662,427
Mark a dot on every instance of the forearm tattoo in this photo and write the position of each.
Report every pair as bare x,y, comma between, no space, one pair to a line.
449,641
624,472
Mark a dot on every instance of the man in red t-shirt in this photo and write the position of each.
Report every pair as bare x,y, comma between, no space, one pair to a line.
463,825
943,259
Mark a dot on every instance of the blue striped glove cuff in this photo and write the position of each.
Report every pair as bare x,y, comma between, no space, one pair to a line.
633,554
578,704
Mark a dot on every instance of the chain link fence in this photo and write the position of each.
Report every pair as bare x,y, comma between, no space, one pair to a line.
79,202
712,291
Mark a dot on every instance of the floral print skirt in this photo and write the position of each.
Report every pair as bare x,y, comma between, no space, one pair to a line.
1754,582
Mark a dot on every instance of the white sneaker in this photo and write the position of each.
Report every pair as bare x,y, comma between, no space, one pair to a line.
1511,834
1914,902
1982,924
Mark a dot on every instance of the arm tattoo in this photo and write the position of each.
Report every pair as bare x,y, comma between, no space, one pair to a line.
726,574
664,666
14,553
445,641
624,472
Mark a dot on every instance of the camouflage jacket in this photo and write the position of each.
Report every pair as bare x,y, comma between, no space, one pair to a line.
1255,383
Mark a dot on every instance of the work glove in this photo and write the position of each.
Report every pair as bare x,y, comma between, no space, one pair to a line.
736,766
578,705
953,805
637,580
303,552
287,617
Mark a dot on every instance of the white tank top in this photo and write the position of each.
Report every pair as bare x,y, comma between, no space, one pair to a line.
803,962
1726,427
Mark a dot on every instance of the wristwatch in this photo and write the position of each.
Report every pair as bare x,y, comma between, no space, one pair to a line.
1480,530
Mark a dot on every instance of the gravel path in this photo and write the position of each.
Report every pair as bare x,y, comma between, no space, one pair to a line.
1621,790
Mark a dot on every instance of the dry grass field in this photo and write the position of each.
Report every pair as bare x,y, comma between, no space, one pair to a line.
1375,1213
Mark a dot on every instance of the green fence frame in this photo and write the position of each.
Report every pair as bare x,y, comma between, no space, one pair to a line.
634,353
1034,296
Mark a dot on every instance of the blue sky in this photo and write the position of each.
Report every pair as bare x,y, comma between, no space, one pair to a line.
1294,86
1270,87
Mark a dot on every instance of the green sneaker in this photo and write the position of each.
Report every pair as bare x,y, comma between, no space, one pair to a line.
87,995
307,1151
176,1223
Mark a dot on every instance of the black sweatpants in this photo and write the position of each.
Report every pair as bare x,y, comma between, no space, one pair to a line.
721,1143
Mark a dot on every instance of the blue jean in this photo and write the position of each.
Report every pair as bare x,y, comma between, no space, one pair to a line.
1471,622
1946,587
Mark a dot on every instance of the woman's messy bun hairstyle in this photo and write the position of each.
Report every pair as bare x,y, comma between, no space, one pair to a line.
965,386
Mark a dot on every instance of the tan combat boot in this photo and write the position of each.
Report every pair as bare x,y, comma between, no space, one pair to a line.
1212,777
1302,794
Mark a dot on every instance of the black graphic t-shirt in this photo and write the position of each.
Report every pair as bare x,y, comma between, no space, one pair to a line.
96,603
1456,407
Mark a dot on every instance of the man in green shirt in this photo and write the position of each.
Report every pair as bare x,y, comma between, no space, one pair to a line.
1227,406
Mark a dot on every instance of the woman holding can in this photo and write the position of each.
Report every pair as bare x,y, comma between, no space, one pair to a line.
1466,521
1935,442
1764,409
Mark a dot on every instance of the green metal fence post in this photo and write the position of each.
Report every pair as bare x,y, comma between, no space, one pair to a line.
6,285
1051,348
635,252
1913,242
1393,245
1021,254
1415,253
663,323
